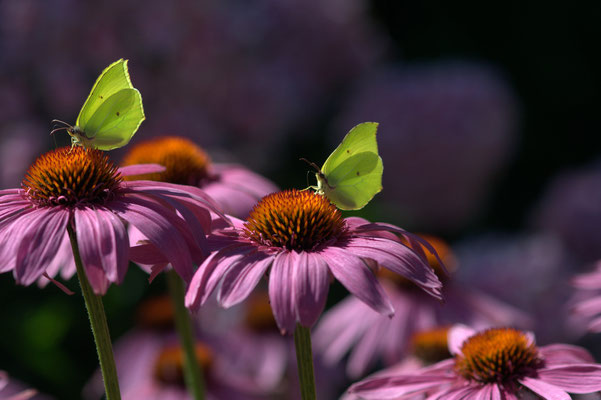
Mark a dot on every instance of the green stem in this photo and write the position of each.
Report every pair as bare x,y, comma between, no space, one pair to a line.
304,361
100,328
192,370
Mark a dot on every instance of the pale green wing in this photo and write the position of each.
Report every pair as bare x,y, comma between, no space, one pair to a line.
352,174
115,77
355,181
362,138
115,121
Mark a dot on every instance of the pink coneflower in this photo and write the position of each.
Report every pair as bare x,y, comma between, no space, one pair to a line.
82,189
494,364
302,240
587,301
373,336
150,361
235,188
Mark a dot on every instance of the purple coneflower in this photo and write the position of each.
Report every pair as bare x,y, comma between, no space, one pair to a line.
302,240
373,336
494,364
235,188
82,189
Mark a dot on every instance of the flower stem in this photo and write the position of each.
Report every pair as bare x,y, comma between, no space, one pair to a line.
100,328
304,361
192,370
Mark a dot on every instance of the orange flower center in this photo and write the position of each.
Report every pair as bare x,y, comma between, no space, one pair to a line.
295,220
70,176
169,365
498,355
431,346
259,317
185,162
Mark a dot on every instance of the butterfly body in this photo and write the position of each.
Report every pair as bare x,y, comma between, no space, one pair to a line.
111,114
352,174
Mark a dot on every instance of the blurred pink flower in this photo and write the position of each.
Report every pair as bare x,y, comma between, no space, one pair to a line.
570,208
81,188
302,240
456,121
373,336
10,390
494,364
235,188
530,272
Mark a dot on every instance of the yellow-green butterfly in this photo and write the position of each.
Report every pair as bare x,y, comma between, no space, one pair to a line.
111,114
352,174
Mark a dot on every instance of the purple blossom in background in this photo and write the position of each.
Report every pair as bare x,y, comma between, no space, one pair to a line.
570,208
529,272
444,128
13,390
374,337
586,302
229,74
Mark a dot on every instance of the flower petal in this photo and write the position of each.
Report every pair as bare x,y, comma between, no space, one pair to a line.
38,242
573,378
312,281
565,354
358,278
282,290
242,278
398,258
141,169
457,335
544,389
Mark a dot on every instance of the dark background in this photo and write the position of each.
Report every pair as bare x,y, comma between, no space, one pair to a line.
268,99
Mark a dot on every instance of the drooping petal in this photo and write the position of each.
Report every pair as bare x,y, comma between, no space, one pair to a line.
38,243
312,280
282,290
573,378
545,390
89,236
242,277
161,231
211,271
358,278
398,258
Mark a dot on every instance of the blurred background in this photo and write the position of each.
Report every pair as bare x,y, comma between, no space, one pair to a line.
489,128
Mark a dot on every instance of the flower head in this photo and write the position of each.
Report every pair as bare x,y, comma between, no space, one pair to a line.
373,336
83,189
234,188
497,363
302,240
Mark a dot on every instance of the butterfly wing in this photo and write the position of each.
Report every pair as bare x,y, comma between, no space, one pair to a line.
353,172
115,121
114,78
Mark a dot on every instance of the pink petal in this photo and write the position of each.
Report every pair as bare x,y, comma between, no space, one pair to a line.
311,281
141,169
573,378
565,354
89,238
588,308
398,258
282,291
242,278
545,390
161,230
38,242
457,335
358,278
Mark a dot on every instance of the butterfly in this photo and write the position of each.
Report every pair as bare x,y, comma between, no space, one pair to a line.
111,114
352,174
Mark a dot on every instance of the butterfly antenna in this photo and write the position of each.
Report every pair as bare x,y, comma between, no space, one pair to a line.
312,164
64,128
